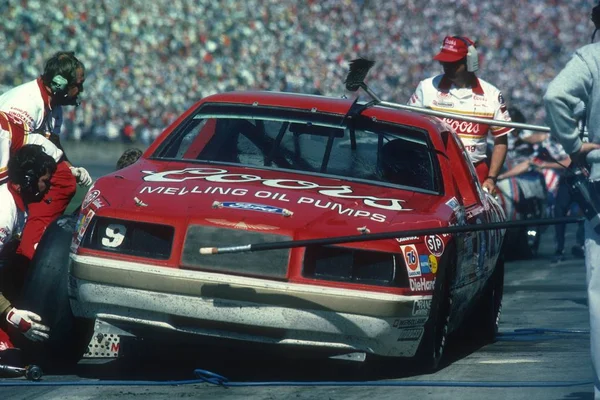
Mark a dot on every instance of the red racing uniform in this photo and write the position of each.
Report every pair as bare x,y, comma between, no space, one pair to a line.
12,221
13,215
30,103
481,100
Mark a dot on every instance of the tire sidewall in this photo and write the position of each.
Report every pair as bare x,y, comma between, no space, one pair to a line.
433,344
45,292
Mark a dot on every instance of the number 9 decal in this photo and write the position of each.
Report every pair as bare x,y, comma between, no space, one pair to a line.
114,235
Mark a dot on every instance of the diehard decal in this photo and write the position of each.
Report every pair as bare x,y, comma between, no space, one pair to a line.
421,285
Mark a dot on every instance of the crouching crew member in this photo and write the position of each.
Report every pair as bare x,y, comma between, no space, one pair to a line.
30,170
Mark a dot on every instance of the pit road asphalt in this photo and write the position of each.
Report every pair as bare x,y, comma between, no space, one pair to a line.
543,297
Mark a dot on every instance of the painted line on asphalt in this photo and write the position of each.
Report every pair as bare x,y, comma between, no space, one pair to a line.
510,361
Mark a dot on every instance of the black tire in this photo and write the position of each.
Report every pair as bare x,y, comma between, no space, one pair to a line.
431,350
482,323
45,293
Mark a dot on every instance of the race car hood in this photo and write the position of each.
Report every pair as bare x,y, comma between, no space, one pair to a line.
293,204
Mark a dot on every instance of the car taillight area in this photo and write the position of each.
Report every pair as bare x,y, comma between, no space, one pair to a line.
268,264
129,237
359,266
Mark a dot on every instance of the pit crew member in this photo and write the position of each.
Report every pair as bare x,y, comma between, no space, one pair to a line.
459,90
39,103
29,173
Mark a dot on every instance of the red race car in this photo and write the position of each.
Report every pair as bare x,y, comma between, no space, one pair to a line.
245,168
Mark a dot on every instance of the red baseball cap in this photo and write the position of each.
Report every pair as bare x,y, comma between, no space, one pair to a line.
453,49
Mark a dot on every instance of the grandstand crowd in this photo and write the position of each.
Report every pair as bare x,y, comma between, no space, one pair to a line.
148,61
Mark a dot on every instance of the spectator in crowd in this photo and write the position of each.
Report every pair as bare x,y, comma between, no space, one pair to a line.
29,173
458,90
149,61
38,104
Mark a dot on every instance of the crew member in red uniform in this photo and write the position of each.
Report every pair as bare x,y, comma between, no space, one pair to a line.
458,90
29,173
14,134
38,103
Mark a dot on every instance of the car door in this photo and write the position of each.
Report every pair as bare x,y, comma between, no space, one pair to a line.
472,247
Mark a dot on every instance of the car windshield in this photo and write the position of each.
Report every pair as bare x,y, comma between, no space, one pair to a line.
356,148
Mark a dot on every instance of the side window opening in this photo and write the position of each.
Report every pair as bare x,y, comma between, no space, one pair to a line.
464,172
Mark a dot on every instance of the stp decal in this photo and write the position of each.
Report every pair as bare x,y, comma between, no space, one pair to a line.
435,245
411,259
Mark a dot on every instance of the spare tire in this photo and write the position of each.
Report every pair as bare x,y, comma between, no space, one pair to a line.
45,292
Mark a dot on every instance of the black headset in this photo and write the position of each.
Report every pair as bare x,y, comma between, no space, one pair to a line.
472,56
30,181
60,72
27,166
59,85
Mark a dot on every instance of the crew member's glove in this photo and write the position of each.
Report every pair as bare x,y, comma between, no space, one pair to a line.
27,323
81,175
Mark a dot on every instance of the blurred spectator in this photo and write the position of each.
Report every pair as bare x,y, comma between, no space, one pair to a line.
128,134
149,61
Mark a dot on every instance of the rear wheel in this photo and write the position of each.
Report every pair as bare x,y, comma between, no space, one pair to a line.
46,293
482,324
433,344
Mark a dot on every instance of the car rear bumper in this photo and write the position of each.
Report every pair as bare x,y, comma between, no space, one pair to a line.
245,309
